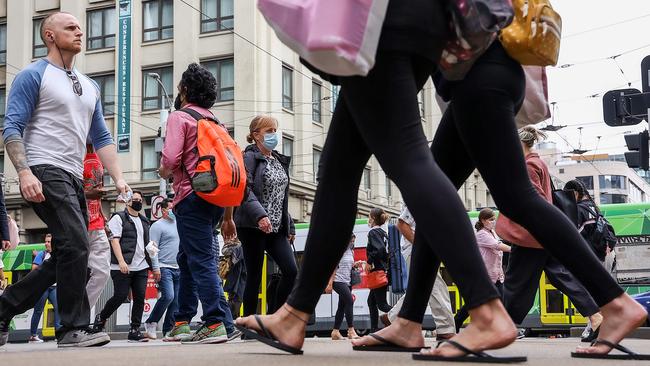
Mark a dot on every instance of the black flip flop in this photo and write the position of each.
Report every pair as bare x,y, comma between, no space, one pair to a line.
627,354
592,336
386,346
470,356
267,338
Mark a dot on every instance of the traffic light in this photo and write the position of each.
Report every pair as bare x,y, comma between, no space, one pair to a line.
639,156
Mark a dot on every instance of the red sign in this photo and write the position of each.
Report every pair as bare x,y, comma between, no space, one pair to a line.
152,288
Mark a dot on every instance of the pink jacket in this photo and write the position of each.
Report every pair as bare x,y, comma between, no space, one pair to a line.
179,153
488,246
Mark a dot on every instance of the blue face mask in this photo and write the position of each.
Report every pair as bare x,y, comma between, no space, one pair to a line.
270,140
171,215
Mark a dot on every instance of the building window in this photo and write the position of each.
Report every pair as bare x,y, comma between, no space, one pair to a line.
287,149
101,29
335,95
366,178
106,85
39,50
152,91
3,101
224,71
316,101
150,160
389,187
316,160
217,15
611,182
606,198
287,87
587,181
157,20
3,44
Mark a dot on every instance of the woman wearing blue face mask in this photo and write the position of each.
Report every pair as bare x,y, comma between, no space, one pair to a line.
263,221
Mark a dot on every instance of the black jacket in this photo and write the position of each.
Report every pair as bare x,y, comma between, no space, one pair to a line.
249,213
129,238
377,249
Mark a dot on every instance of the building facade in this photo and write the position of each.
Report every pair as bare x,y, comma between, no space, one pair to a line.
607,177
256,74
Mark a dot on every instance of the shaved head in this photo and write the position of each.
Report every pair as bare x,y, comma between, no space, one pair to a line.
51,21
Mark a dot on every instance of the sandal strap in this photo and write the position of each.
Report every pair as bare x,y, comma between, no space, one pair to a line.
614,346
462,348
267,334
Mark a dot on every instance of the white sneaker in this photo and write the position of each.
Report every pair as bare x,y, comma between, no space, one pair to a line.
150,330
35,339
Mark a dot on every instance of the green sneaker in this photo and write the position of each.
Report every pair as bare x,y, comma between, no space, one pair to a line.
180,332
214,333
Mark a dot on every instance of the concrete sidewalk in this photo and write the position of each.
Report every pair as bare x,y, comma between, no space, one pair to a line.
540,351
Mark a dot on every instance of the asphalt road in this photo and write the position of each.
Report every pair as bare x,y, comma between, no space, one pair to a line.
318,351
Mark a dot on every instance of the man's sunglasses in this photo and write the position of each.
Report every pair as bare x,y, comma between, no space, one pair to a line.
76,85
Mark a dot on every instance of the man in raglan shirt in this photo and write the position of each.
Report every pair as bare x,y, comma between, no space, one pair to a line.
52,109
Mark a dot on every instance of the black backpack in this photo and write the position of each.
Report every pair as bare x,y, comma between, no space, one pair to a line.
602,236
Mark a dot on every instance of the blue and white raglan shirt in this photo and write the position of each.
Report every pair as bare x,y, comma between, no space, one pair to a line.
53,121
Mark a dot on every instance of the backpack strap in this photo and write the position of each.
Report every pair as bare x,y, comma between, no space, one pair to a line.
198,116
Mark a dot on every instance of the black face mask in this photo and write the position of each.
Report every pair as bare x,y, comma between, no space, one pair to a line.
177,102
136,205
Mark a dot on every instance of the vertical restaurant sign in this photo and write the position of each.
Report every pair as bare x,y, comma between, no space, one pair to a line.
124,78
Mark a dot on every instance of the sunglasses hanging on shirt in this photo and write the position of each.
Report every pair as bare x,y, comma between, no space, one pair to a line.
76,85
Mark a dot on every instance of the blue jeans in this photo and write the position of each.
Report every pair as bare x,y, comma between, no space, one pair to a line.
168,287
49,294
195,220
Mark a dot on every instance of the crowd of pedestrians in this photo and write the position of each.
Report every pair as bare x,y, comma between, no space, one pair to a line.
57,139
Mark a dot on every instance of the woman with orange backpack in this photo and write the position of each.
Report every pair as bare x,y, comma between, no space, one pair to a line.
263,221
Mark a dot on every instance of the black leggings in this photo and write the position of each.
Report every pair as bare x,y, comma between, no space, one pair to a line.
346,304
379,114
478,131
122,283
254,243
377,301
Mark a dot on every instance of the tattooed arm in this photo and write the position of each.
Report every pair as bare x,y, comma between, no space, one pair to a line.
22,100
30,186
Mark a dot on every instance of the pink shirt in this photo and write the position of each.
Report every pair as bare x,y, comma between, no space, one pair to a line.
488,245
179,149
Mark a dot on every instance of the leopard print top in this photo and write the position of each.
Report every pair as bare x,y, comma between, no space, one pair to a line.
275,184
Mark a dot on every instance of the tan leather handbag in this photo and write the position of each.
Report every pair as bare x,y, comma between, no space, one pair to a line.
533,37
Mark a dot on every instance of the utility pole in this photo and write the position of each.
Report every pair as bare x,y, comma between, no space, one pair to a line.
164,113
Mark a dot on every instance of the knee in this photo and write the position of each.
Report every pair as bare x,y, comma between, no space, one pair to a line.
166,298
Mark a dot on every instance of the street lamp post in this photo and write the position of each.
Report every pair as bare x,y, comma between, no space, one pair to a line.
164,113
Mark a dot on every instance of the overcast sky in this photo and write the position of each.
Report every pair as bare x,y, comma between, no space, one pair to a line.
583,41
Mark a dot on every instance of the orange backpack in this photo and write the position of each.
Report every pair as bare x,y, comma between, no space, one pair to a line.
220,175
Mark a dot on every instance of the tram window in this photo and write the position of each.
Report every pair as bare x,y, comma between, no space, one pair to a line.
452,297
554,301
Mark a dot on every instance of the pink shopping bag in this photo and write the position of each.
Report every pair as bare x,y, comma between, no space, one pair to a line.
339,37
535,108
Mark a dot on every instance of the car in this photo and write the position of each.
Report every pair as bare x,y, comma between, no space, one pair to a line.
644,300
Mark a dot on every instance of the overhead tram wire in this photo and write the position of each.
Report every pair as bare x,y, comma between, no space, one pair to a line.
249,41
